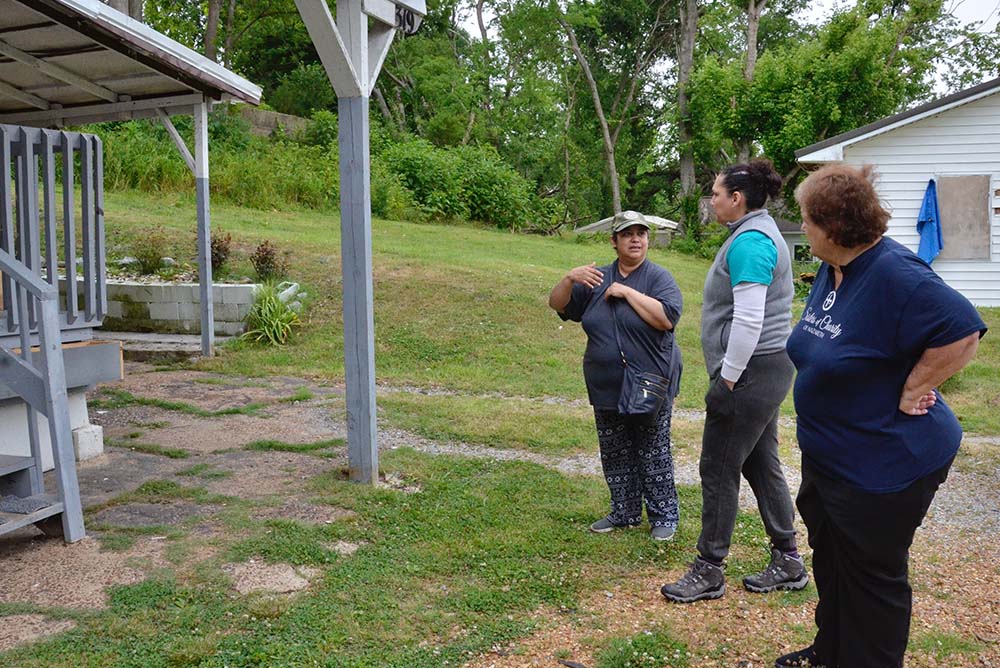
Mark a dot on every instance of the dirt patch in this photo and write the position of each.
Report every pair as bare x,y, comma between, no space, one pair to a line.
342,547
302,511
303,422
259,475
151,514
746,629
117,471
22,629
215,391
254,576
398,483
48,572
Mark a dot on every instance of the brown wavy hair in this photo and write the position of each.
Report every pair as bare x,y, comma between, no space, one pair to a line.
841,199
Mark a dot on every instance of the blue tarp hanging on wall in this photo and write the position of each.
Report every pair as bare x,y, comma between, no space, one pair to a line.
929,225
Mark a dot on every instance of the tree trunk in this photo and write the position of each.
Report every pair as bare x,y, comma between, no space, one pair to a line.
482,24
754,9
227,46
685,62
212,29
120,5
570,103
609,146
135,9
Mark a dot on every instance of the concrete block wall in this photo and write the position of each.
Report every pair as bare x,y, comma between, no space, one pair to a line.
88,439
175,307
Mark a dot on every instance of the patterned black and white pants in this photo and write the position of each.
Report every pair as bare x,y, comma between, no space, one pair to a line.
638,465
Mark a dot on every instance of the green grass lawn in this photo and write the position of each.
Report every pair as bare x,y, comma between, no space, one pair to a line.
463,308
441,574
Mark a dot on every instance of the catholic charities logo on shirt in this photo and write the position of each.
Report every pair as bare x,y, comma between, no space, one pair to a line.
821,325
830,299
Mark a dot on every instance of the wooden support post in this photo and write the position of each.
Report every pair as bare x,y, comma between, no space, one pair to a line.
204,228
352,59
359,319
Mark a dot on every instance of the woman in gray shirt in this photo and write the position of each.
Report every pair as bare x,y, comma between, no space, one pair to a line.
645,301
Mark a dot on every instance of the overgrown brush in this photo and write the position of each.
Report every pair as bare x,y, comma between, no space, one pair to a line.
222,245
268,262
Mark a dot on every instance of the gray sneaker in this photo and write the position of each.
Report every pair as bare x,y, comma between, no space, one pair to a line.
605,525
784,572
702,581
662,534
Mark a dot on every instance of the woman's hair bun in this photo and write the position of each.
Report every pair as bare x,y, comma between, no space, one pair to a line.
762,171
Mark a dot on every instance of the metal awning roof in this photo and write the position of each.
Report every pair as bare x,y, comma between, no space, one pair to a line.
68,62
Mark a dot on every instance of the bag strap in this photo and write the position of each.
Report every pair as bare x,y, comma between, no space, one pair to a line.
614,318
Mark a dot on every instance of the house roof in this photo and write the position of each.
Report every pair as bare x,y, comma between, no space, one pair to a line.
832,149
79,61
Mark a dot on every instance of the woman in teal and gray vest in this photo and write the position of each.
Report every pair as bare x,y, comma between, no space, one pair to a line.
746,320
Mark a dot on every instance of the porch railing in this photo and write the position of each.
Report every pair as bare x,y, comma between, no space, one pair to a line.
55,234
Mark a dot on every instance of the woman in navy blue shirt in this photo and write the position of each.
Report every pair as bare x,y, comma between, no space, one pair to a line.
880,332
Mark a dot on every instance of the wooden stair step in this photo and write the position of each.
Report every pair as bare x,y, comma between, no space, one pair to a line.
11,464
15,521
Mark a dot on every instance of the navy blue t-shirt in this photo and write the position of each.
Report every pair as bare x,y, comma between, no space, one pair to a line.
645,347
854,348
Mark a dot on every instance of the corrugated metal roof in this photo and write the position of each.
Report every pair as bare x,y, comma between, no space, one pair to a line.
76,61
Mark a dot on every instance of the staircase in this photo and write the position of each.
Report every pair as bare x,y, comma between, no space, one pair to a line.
35,319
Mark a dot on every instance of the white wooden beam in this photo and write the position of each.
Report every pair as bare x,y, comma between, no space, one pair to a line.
416,6
381,10
178,141
379,40
18,94
353,26
105,109
330,47
201,187
58,73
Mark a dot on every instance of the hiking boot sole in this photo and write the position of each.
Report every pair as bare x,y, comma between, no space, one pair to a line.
794,585
704,596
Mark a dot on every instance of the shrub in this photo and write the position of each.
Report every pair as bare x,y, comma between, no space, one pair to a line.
221,247
493,192
270,320
433,176
149,249
267,262
322,130
304,90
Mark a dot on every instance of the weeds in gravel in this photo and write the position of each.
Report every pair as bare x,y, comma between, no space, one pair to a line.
650,649
111,398
942,645
300,394
150,449
204,471
280,446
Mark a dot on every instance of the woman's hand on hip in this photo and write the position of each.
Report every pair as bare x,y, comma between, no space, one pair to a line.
588,275
917,405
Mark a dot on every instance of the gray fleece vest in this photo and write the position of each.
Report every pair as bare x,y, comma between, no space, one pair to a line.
717,304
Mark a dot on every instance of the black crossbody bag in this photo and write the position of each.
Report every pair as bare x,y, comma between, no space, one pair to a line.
643,392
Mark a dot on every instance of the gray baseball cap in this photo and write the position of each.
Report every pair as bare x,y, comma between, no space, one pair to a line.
627,219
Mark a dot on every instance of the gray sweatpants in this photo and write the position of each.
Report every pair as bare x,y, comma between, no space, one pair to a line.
741,438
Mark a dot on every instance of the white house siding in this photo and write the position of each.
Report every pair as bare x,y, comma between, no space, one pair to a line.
961,141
